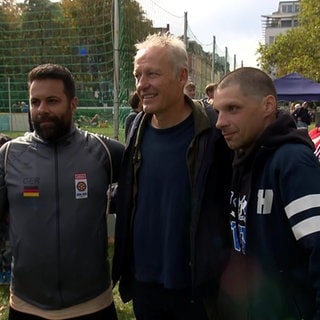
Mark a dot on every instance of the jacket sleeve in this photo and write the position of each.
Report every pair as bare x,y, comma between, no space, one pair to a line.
3,190
300,176
116,150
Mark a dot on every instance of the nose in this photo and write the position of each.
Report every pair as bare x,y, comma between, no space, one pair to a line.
141,82
43,107
221,122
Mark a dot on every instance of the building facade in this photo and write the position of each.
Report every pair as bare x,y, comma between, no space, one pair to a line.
280,21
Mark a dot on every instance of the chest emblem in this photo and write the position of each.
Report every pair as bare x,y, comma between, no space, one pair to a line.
81,186
31,187
31,192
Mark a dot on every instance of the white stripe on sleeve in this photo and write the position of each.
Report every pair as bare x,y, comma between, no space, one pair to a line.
306,227
302,204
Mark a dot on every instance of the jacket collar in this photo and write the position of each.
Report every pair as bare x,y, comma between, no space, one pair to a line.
64,139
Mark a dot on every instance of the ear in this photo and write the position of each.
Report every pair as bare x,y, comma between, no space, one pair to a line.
74,104
270,104
183,77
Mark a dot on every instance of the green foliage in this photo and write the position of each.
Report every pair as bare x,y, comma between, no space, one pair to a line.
76,33
298,50
132,19
4,299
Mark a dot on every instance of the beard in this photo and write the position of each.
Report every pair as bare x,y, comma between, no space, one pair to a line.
51,128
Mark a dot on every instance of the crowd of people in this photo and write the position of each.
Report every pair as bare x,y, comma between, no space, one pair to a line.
216,200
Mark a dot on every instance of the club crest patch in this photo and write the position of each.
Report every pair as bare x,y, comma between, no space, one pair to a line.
81,185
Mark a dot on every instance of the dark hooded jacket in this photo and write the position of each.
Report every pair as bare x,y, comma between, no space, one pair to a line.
274,272
209,163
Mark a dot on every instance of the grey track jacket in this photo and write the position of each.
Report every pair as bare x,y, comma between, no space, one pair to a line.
56,197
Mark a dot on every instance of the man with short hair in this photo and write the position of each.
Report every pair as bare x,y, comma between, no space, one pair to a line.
210,88
136,107
274,270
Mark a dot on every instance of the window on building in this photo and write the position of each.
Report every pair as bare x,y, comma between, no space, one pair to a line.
287,8
286,24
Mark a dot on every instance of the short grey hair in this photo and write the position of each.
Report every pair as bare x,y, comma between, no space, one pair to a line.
174,45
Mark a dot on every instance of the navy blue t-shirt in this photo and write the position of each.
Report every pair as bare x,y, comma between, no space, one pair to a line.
162,221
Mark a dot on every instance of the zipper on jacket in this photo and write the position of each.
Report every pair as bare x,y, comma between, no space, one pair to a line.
57,202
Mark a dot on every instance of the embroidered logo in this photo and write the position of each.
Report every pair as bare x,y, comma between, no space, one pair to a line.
31,187
81,185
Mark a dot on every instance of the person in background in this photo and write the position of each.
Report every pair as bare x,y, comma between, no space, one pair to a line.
317,152
294,106
210,88
94,121
314,135
302,116
171,241
274,270
53,184
136,107
24,107
190,89
3,139
5,248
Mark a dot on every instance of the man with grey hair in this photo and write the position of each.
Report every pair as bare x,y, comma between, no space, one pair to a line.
171,233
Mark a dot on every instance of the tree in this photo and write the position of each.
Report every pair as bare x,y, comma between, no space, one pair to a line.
39,35
298,50
134,27
9,21
76,33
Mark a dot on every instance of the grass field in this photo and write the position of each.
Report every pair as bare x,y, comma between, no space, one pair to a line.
124,310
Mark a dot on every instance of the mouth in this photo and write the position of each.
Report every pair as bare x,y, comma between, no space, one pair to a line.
46,122
228,135
147,97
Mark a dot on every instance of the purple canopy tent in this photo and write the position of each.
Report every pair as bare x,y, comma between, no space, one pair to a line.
294,87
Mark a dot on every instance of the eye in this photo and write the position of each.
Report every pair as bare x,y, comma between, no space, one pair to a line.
136,74
52,100
34,102
233,108
153,74
137,77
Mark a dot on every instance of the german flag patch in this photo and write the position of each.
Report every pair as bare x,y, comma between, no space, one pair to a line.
31,192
